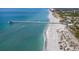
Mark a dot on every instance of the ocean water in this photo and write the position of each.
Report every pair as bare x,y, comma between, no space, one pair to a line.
22,36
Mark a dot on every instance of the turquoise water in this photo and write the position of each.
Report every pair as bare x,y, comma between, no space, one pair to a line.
22,36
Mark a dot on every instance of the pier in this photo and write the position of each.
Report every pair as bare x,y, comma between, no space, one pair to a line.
36,22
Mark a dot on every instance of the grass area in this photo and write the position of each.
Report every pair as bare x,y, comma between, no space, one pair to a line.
68,14
61,14
75,32
74,14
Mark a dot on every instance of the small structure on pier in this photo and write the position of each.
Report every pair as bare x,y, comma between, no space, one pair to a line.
10,22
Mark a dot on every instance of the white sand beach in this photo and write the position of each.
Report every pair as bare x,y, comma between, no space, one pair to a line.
52,36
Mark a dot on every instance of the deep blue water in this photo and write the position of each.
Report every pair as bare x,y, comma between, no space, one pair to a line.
22,36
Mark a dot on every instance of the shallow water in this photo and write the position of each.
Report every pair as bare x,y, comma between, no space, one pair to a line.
22,36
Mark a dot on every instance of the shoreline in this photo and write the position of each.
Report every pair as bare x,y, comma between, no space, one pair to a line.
45,37
46,34
51,36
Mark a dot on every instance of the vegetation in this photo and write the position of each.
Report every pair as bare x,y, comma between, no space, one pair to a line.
74,31
75,22
68,14
77,34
